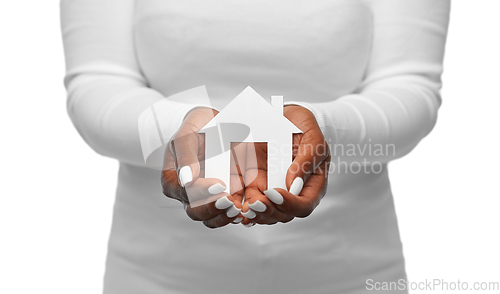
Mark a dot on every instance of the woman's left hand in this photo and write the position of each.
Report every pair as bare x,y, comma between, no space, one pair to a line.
181,178
306,179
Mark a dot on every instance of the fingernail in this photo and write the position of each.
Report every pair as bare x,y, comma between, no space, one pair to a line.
296,186
233,211
185,175
258,206
250,214
249,225
274,196
223,203
238,220
216,189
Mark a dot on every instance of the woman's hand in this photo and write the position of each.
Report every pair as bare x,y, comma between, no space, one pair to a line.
181,179
306,178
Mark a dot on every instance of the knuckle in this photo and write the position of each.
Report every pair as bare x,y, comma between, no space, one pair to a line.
167,178
206,210
191,214
268,222
183,195
287,220
259,218
272,213
323,150
168,194
170,145
185,159
305,212
209,224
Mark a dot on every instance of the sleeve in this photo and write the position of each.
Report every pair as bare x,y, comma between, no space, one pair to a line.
106,91
397,102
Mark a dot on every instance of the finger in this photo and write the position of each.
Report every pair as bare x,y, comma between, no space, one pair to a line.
237,190
256,160
315,188
303,204
185,148
170,180
171,186
203,191
265,211
247,223
238,157
205,207
237,168
255,175
237,220
218,221
312,151
169,161
294,205
202,199
257,205
264,220
223,205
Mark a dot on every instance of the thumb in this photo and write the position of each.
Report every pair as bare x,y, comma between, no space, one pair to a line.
187,143
309,157
185,148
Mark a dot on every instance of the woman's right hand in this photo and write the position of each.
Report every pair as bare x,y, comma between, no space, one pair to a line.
306,178
203,198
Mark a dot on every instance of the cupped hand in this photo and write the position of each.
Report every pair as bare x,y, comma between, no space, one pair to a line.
182,179
306,178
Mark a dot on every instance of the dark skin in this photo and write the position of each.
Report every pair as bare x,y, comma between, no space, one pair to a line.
187,149
311,159
249,178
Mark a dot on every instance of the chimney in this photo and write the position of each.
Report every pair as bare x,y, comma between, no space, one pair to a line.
277,103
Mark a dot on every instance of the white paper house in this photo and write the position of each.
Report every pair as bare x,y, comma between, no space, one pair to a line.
250,118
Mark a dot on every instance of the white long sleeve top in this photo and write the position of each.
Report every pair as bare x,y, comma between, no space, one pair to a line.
368,70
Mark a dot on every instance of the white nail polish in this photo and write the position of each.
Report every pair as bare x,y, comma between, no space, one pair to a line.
296,186
274,196
250,214
238,220
258,206
185,175
233,211
249,225
216,189
223,203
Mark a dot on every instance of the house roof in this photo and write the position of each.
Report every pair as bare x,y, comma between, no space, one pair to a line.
251,109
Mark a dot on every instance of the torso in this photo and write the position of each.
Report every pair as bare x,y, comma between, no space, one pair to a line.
307,52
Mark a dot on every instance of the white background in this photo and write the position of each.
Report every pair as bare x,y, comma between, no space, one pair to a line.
57,194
